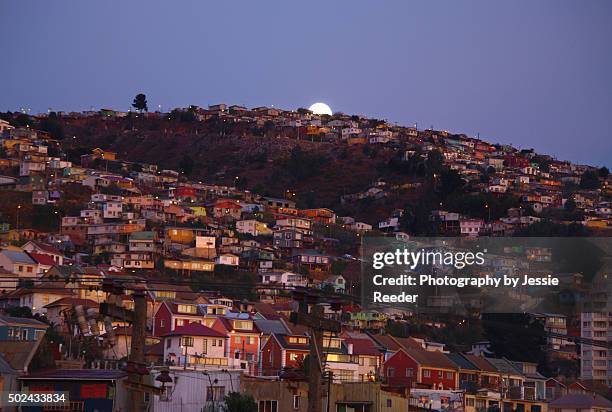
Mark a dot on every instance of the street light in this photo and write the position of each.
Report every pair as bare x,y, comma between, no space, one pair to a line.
18,208
230,376
212,391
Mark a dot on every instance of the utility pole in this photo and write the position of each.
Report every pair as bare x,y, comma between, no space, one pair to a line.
330,380
317,324
315,365
136,363
136,367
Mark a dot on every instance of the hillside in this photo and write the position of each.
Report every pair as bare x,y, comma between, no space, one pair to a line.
318,172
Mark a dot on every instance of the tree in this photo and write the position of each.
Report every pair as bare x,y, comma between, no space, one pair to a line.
516,336
570,205
186,116
53,126
140,103
22,120
268,126
451,182
303,165
186,164
603,172
589,180
434,162
238,402
19,311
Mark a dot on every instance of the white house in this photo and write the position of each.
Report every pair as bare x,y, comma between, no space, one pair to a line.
195,391
227,259
286,278
360,227
471,227
197,346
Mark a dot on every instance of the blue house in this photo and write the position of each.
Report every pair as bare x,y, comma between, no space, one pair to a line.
23,329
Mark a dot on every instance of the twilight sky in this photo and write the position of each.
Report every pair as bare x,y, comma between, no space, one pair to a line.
531,73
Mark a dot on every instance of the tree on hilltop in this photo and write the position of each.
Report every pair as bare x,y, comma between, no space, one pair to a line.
140,103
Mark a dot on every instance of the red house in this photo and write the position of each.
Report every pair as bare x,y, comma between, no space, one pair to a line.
171,315
185,193
516,161
283,351
410,367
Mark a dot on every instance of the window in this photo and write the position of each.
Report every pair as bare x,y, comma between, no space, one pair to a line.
162,323
409,372
268,406
449,375
24,334
440,374
391,372
186,308
296,401
168,342
165,294
389,403
204,345
220,342
187,341
236,339
331,343
469,401
214,342
427,373
243,324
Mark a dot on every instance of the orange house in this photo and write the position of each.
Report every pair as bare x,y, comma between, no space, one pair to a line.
321,215
106,155
228,208
244,337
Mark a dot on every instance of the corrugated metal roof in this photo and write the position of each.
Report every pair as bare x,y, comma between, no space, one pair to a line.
76,374
18,257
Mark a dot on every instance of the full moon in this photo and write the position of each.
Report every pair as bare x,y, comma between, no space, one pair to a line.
320,108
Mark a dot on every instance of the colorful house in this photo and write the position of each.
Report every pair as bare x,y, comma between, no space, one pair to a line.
409,367
283,351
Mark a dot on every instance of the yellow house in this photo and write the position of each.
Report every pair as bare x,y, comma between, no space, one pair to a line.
483,400
5,163
189,265
16,236
597,223
287,395
10,143
357,140
315,131
181,235
198,211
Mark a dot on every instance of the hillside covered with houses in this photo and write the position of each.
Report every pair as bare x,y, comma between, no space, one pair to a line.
220,214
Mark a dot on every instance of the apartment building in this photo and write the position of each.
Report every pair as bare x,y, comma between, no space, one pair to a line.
596,361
